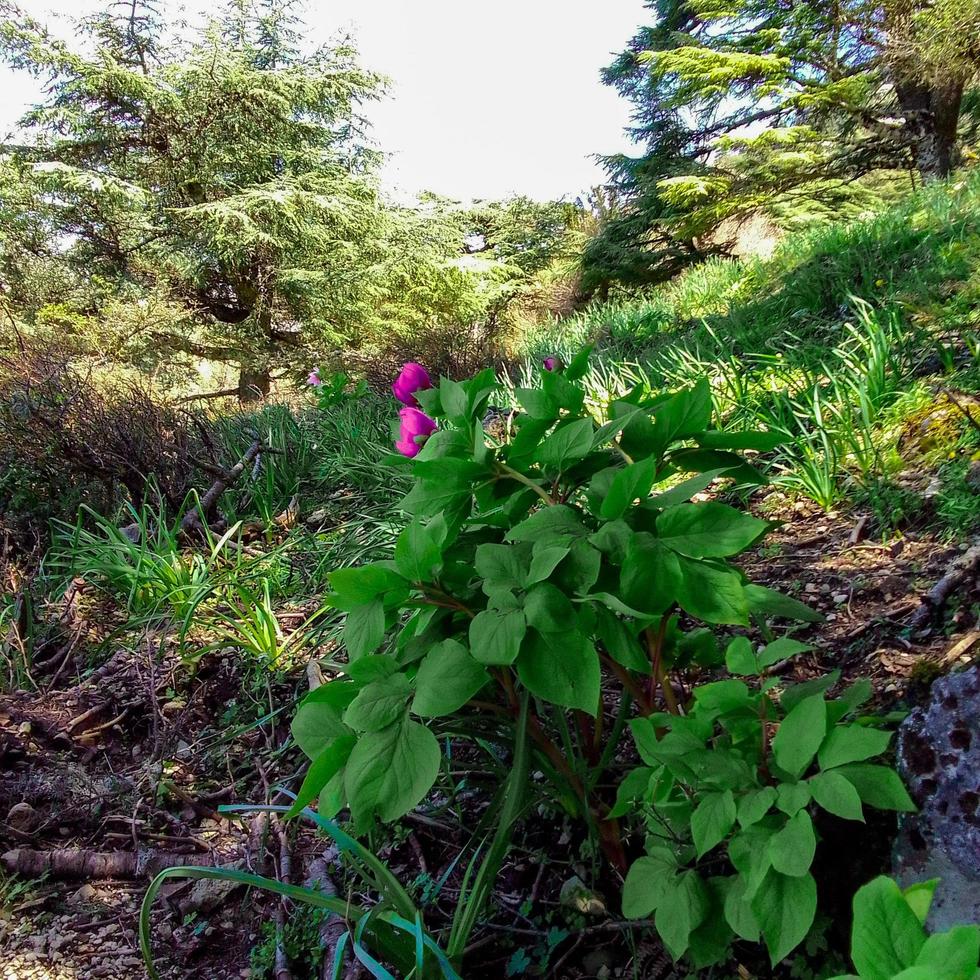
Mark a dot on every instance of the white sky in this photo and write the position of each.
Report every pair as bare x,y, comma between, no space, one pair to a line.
488,99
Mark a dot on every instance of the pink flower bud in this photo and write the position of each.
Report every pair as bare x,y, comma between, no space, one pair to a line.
552,363
415,428
413,378
314,378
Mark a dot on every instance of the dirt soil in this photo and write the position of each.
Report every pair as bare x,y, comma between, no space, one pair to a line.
123,770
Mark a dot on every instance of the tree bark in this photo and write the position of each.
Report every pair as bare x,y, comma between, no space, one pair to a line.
932,112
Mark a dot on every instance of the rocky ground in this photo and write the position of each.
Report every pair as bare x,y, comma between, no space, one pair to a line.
105,776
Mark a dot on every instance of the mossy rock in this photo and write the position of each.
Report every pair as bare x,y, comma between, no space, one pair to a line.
934,430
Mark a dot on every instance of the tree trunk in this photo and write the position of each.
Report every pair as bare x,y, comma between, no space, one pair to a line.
254,384
932,112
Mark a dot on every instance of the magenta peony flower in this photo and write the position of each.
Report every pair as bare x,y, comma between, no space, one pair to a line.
413,378
416,427
552,364
314,378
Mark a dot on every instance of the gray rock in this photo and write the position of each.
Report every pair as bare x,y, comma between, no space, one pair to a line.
973,476
939,758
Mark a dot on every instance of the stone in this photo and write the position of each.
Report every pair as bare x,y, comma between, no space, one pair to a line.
939,759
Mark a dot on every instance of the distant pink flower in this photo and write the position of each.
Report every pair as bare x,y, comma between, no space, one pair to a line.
413,378
552,364
314,378
416,427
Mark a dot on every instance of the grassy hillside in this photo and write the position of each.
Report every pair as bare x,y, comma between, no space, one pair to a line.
861,341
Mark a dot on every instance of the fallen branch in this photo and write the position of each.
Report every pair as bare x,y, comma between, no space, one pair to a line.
192,519
963,568
82,863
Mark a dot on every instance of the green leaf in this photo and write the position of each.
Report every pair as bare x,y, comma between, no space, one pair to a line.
319,719
323,768
851,743
619,642
878,786
800,735
781,649
537,403
768,602
709,530
650,576
686,413
952,955
738,911
554,524
647,881
886,936
740,657
792,797
682,908
418,551
762,442
548,609
579,569
569,443
755,804
390,771
919,897
448,677
711,821
785,907
685,490
836,795
453,399
711,593
501,566
544,561
364,629
562,668
495,637
359,586
632,482
634,787
791,849
378,704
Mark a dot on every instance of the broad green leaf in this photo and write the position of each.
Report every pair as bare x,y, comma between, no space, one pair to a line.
738,911
711,593
378,704
800,735
683,491
569,443
878,786
919,896
544,561
887,937
762,442
768,602
448,677
740,657
792,797
851,743
681,909
323,768
686,413
791,849
710,942
562,668
578,571
361,585
558,522
650,575
364,629
709,530
537,404
495,637
634,787
418,551
632,482
952,955
785,907
619,642
755,804
712,819
390,771
319,719
501,566
836,795
548,609
781,649
647,881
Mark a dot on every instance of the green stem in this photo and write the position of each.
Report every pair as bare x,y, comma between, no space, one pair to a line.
612,742
527,481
